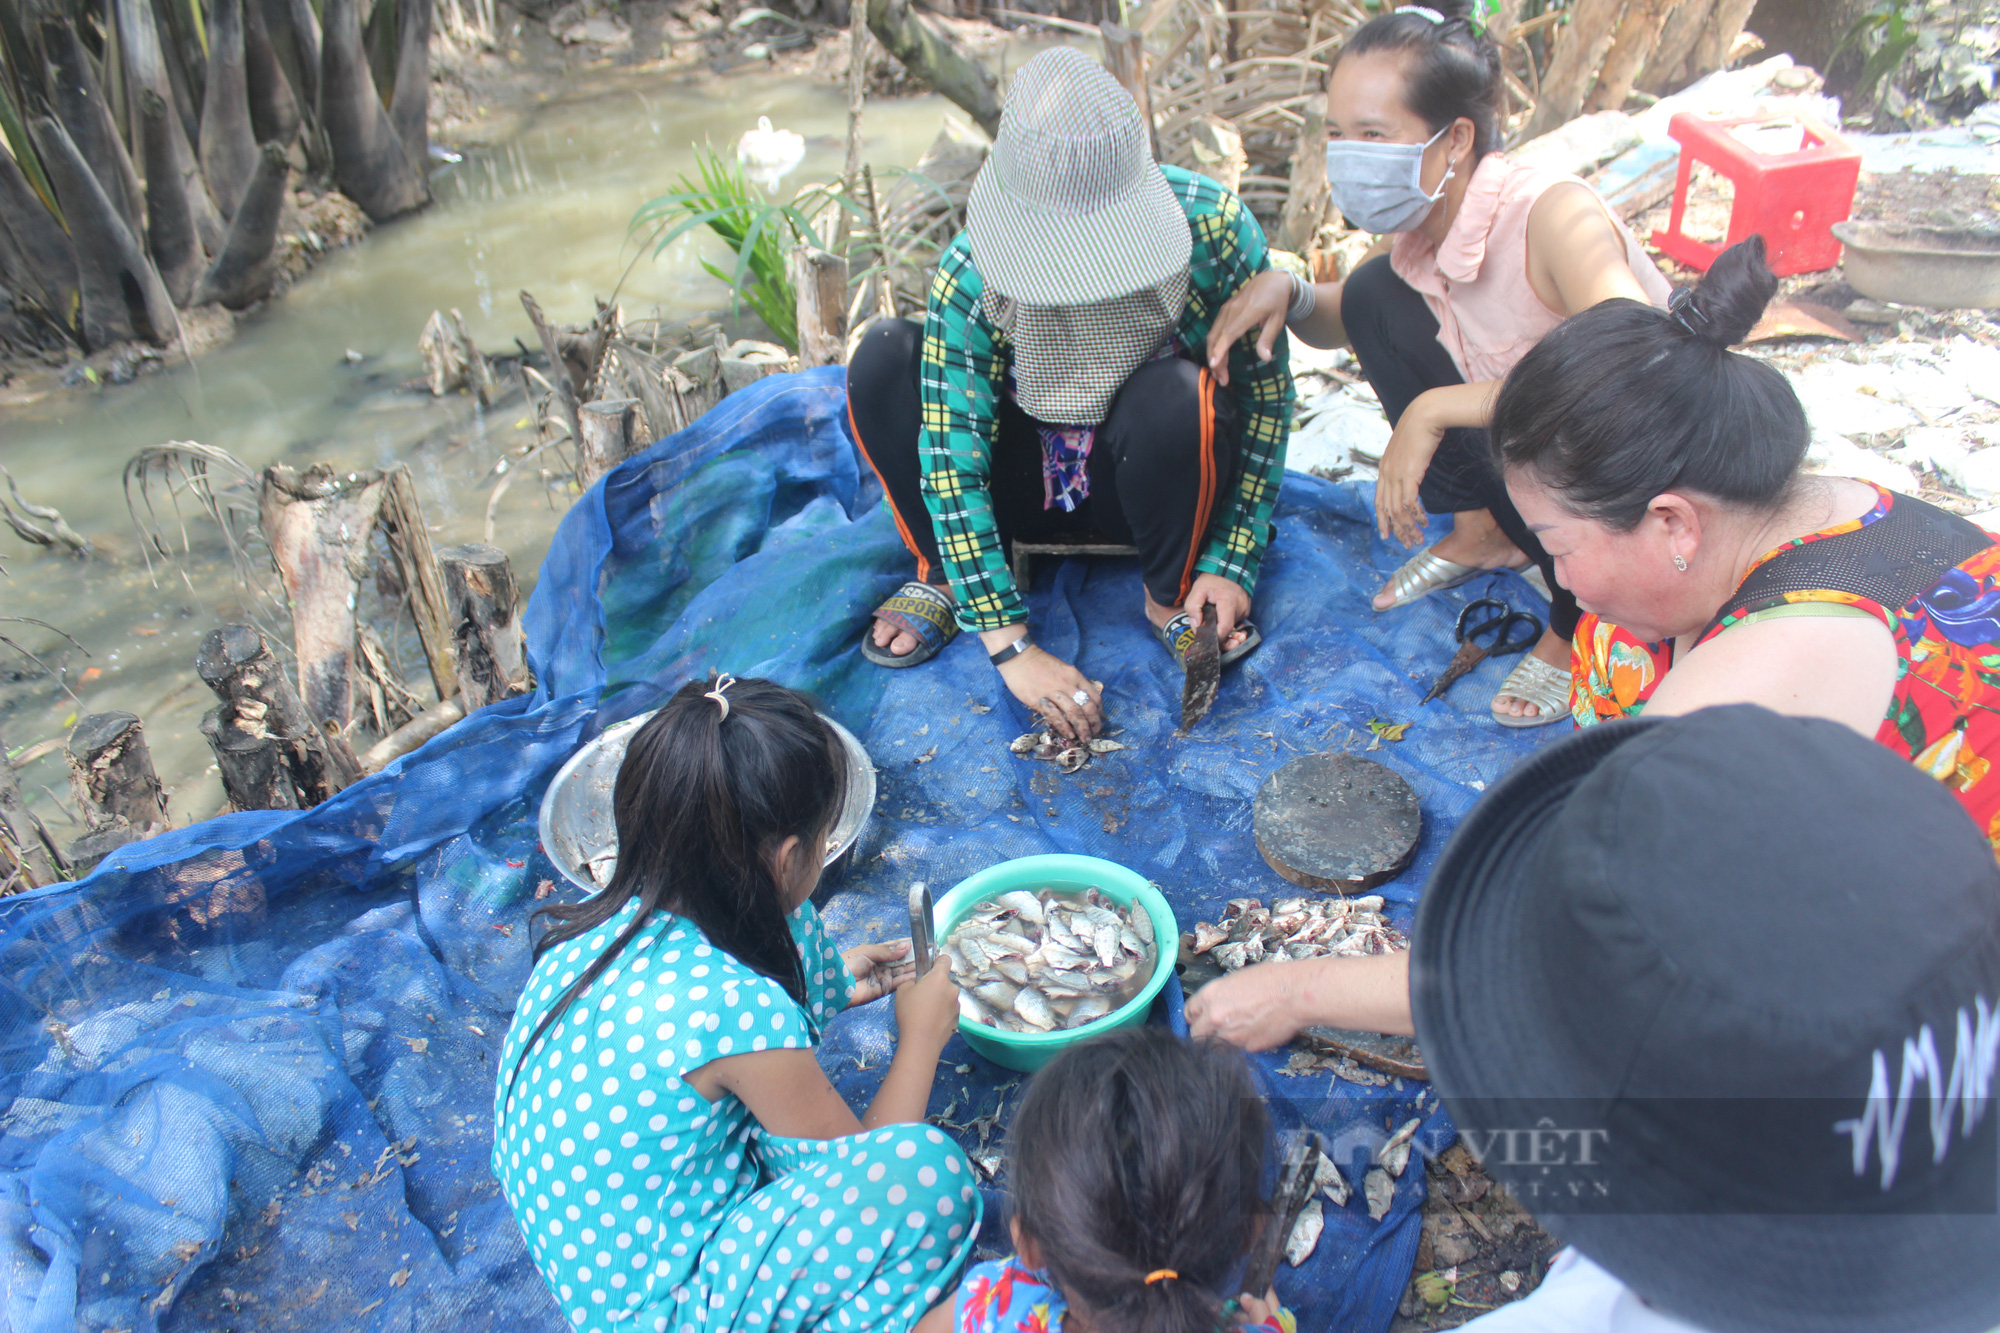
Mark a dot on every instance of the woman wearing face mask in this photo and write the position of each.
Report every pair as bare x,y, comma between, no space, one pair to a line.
1488,256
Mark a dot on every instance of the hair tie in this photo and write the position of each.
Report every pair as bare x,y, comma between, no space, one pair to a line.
1430,14
1160,1275
1686,313
722,683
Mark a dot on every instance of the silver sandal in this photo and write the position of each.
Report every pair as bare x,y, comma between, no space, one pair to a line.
1423,574
1535,682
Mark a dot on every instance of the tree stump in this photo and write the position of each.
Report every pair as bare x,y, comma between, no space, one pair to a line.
1579,51
402,520
260,705
485,604
820,279
610,436
1306,205
111,775
319,526
251,762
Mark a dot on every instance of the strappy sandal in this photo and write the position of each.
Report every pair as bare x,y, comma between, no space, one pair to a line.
923,613
1535,682
1423,574
1177,634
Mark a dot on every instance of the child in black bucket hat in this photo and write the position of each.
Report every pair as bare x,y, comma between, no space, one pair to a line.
1733,1039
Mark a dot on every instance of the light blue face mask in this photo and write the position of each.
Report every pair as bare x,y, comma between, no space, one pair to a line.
1379,186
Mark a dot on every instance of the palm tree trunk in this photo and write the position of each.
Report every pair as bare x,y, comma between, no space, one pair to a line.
50,260
369,163
80,105
171,236
242,273
411,105
148,69
274,106
122,295
228,147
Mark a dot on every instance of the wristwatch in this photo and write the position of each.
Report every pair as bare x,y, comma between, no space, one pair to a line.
1008,652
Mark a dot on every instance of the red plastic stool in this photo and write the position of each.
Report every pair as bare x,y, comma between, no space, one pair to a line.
1792,198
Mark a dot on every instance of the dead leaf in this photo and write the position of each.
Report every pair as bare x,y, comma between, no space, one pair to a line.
1802,319
399,1277
1388,731
418,1044
146,630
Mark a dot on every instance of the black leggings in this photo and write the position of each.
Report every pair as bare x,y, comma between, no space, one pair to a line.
1164,453
1394,335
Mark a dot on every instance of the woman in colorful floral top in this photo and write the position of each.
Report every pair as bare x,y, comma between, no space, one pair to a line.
1053,392
1662,472
1136,1165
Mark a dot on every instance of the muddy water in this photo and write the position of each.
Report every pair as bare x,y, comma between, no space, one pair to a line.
546,211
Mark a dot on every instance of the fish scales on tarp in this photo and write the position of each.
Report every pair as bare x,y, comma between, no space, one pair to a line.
247,1067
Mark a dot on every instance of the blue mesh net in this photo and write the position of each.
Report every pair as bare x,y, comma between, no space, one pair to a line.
249,1064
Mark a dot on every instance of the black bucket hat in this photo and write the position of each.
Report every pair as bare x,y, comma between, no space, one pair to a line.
1718,999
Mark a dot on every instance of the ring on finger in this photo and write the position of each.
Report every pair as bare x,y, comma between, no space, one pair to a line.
1082,698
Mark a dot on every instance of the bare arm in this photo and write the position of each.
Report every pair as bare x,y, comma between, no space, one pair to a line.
1841,668
1576,255
789,1093
1266,1005
1260,307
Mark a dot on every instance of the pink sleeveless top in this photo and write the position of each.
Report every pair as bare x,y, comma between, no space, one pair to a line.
1476,283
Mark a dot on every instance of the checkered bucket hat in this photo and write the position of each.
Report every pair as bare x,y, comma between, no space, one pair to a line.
1070,207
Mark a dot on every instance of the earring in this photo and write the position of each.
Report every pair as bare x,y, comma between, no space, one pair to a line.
1681,564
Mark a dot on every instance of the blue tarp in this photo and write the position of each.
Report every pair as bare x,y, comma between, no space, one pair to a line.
248,1065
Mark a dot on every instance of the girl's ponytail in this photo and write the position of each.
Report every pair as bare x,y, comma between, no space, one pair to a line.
711,786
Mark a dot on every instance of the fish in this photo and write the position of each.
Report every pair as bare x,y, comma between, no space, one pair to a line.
1047,961
1328,1181
1305,1233
1395,1154
1071,759
1296,929
1380,1192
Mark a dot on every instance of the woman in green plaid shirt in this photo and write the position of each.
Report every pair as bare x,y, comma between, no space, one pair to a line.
1054,390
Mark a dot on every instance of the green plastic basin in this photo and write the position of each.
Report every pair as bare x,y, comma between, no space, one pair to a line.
1029,1051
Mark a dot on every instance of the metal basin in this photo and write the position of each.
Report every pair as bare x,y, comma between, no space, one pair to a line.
1941,267
580,833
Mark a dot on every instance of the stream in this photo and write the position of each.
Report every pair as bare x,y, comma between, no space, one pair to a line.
547,211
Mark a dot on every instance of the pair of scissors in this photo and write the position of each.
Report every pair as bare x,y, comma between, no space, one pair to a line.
1511,631
923,928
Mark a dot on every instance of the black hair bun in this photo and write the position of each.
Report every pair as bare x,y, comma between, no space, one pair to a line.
1732,295
1454,11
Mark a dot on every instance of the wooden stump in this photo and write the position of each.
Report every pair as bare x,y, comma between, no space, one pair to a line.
1579,51
820,280
402,520
610,436
251,762
1336,821
485,604
111,775
260,705
1306,205
319,526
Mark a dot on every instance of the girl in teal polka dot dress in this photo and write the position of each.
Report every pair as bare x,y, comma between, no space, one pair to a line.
663,1131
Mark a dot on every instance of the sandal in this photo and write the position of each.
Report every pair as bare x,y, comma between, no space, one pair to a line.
1535,682
1177,635
920,611
1423,574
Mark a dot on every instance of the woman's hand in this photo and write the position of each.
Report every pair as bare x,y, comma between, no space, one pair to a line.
1398,510
927,1010
1052,687
878,969
1232,606
1251,1008
1261,304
